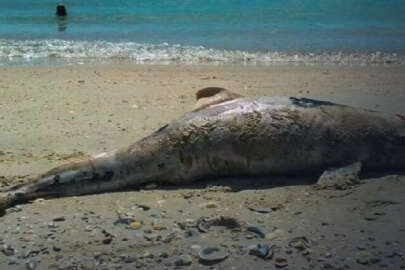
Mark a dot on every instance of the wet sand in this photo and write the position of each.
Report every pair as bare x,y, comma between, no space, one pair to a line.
53,115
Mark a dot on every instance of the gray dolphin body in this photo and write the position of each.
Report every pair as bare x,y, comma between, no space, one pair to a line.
232,135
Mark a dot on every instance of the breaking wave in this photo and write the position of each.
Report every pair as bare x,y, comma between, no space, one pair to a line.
64,51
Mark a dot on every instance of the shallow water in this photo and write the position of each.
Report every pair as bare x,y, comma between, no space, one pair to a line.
202,31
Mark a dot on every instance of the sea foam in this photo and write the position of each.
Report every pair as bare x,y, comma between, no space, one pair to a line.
71,51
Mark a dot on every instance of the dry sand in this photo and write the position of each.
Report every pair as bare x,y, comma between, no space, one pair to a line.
53,115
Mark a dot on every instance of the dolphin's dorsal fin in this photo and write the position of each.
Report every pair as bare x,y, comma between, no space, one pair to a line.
213,95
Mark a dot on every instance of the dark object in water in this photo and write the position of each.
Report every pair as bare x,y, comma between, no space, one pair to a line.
61,10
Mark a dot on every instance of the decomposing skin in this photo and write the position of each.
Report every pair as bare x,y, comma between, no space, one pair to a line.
228,135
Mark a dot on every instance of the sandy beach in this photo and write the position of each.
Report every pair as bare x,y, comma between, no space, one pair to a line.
54,115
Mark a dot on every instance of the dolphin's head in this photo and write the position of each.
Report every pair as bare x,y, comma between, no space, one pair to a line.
90,176
72,178
57,181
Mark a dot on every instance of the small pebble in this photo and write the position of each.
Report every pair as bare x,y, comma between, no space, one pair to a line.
168,238
136,225
259,250
130,259
144,207
191,233
361,247
258,231
12,261
159,227
276,234
52,225
195,247
59,219
280,262
150,236
306,252
184,260
328,255
107,240
7,250
212,254
147,254
163,254
300,243
31,253
31,265
209,205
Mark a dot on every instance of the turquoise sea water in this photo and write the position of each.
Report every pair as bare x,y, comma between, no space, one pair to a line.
257,31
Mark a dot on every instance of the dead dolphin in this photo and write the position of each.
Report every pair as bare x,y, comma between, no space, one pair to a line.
226,135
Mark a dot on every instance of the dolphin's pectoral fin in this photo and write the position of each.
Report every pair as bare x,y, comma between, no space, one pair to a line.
340,178
213,95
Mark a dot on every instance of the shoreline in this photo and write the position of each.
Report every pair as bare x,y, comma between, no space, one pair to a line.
60,62
72,52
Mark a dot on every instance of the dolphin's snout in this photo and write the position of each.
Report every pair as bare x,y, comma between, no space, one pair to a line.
7,199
